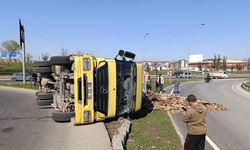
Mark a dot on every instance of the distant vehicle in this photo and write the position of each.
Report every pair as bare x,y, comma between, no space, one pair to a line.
185,75
177,73
19,77
219,75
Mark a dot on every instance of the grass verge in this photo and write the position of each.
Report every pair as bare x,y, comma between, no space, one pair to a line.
152,130
14,67
167,82
20,85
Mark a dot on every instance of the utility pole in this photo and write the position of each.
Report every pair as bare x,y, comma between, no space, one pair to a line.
144,47
22,44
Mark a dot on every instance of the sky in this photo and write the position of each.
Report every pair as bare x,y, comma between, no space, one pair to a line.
102,28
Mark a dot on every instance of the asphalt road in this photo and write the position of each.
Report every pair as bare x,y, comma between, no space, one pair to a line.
25,126
228,130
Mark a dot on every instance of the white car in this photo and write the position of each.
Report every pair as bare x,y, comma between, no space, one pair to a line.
185,75
19,77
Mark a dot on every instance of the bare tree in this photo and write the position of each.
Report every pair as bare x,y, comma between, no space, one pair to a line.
29,57
238,67
10,46
155,66
248,64
79,53
64,52
224,63
45,57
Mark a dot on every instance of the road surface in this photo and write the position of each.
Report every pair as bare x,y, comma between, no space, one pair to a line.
228,129
25,126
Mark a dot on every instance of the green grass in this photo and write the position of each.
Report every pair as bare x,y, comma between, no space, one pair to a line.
5,76
248,83
152,130
20,85
14,67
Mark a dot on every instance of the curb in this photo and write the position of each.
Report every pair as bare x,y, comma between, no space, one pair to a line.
245,87
177,129
119,139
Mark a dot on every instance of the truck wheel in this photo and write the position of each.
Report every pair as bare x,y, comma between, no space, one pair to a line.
44,102
43,95
42,70
41,64
60,60
62,116
14,79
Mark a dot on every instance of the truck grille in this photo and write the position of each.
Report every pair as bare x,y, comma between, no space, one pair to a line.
101,91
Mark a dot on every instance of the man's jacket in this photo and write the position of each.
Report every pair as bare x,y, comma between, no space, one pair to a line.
195,119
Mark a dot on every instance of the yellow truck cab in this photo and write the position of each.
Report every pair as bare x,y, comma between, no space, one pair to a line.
105,88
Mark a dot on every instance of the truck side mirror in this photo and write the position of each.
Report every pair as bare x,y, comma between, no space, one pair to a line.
129,55
121,52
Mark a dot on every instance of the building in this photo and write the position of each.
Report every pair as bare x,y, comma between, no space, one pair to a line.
206,65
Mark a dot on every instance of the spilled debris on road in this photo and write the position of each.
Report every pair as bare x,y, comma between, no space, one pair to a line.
174,103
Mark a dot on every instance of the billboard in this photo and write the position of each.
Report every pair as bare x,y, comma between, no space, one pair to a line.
195,58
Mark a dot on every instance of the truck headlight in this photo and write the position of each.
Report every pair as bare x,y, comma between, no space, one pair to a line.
86,64
89,95
87,116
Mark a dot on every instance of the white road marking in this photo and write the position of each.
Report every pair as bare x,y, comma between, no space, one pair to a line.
212,143
177,129
172,91
238,92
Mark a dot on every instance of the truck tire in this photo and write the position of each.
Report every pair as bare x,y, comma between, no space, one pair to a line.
42,70
42,95
41,64
62,116
44,102
60,60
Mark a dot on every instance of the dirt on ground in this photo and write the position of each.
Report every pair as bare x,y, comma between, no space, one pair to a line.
112,127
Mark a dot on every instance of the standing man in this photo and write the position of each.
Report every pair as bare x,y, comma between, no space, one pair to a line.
176,86
160,82
34,75
195,119
149,84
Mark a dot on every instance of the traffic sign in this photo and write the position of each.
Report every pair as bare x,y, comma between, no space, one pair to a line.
169,73
4,54
13,54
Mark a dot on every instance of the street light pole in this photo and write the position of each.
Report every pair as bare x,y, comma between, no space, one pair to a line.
247,55
189,44
144,46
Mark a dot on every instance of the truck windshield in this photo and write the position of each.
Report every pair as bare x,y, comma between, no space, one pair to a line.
124,86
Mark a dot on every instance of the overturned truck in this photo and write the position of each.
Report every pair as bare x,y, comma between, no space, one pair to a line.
85,89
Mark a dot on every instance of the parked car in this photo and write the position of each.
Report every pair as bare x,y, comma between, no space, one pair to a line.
177,73
19,77
185,75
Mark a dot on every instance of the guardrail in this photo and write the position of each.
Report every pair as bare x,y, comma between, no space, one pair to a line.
245,86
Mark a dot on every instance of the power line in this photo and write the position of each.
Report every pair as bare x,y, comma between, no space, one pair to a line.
65,44
105,51
164,41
